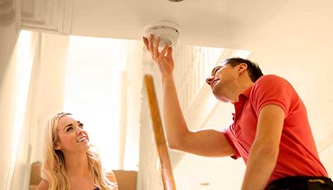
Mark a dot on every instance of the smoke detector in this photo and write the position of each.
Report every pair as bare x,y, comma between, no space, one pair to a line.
168,32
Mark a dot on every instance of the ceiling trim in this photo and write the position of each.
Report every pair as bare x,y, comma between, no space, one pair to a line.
53,16
17,7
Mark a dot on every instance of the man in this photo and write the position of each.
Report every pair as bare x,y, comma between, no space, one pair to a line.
270,132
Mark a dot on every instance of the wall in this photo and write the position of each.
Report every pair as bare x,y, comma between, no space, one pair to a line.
7,113
26,54
297,44
48,89
47,55
9,31
133,99
149,174
14,95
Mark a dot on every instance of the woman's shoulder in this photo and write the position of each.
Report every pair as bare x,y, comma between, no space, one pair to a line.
111,176
43,185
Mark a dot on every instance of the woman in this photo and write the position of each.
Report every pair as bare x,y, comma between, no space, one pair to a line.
70,163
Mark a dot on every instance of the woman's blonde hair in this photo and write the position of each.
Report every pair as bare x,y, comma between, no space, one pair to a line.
53,167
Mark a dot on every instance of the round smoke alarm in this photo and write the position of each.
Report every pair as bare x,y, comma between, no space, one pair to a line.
168,32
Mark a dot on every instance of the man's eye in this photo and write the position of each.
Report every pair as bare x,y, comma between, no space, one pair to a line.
81,125
215,70
69,129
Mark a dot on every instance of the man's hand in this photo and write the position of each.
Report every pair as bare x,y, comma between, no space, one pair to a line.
163,59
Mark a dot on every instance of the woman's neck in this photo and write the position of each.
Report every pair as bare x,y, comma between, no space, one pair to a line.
77,165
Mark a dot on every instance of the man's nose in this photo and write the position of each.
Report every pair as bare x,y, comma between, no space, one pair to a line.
209,80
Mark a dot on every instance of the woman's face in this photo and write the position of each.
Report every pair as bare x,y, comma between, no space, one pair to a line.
72,138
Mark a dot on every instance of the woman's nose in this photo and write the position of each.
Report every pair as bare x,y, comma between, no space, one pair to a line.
79,130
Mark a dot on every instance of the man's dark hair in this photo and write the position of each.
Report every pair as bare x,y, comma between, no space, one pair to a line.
253,69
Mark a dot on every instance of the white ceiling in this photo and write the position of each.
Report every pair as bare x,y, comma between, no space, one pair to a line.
202,22
237,24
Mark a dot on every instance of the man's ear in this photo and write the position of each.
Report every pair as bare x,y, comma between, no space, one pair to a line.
57,147
242,67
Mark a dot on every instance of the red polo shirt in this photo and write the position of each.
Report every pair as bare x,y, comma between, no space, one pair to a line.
298,154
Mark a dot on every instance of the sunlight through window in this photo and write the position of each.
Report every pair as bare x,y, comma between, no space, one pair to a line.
93,93
21,79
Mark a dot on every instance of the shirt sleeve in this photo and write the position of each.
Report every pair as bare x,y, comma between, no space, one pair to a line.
226,135
272,89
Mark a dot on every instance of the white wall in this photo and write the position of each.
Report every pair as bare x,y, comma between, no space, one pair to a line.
7,113
9,31
149,174
45,54
26,55
133,100
297,44
8,36
49,82
14,95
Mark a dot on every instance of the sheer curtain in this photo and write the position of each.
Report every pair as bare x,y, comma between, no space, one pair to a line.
96,87
14,95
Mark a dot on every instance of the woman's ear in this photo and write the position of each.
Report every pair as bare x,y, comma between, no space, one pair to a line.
57,147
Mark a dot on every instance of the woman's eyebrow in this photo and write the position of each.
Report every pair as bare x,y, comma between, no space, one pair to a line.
68,125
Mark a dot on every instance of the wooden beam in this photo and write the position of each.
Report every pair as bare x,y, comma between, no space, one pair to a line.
166,169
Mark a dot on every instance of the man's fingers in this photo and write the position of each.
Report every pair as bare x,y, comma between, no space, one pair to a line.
157,44
169,52
156,53
145,41
165,49
151,46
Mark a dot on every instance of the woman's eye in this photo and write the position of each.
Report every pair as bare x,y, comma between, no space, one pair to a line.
81,125
69,129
